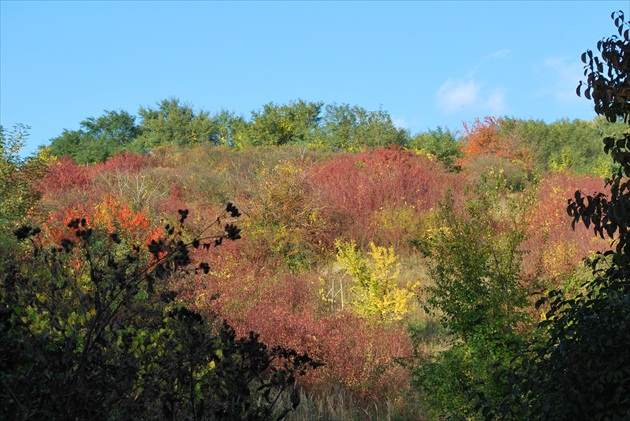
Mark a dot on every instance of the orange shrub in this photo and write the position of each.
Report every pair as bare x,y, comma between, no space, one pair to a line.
488,137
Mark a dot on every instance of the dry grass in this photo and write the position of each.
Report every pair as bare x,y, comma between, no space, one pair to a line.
340,406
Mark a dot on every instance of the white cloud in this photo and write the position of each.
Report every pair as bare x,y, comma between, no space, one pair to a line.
565,76
496,102
459,96
454,96
467,94
400,123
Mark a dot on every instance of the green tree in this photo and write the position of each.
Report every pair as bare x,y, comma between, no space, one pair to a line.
572,145
274,125
17,176
98,138
582,370
474,260
353,128
440,143
174,123
228,127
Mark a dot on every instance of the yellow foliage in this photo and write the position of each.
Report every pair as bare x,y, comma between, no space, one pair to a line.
376,292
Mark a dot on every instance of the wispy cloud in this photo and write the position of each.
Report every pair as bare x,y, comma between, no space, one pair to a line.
565,75
454,95
457,96
491,56
468,94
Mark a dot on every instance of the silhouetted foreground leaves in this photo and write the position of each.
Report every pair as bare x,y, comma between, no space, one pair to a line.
88,330
581,370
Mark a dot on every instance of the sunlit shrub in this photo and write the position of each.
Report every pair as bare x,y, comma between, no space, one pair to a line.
554,248
353,187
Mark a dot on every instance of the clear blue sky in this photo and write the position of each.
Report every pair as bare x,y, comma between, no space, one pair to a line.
427,63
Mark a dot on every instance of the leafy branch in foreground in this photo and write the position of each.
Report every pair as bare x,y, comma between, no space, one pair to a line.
582,370
90,330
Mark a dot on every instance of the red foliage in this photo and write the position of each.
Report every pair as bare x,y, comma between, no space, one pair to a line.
554,248
63,174
110,214
66,173
55,228
125,162
283,309
359,356
353,187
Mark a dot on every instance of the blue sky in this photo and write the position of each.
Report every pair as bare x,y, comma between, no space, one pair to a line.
427,63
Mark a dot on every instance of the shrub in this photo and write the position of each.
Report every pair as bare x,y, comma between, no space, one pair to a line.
351,188
89,329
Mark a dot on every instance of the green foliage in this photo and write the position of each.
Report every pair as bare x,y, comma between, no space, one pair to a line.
581,369
90,330
98,139
376,293
17,176
566,145
228,127
276,125
173,123
354,128
480,298
475,265
440,143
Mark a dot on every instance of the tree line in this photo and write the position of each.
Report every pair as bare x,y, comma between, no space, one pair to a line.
559,145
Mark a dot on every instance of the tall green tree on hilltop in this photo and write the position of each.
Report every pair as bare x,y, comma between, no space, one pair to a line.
276,125
353,128
174,123
98,138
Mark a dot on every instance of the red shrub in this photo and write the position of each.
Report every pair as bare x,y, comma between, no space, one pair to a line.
125,162
63,174
352,188
359,356
110,214
555,249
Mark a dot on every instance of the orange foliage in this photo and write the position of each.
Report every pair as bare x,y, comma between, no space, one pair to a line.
491,137
111,214
115,216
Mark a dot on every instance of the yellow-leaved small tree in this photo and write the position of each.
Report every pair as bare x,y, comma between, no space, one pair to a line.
376,293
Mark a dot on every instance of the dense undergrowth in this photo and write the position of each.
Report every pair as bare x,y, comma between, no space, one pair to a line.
387,276
359,313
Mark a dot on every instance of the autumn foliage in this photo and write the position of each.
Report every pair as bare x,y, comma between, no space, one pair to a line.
315,220
492,136
358,191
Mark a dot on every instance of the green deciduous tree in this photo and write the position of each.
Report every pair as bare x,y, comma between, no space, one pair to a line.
17,176
581,369
438,143
354,128
274,125
174,123
98,138
474,260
